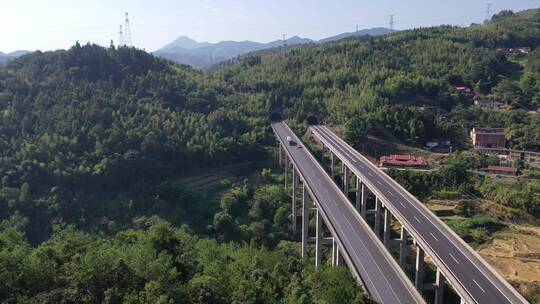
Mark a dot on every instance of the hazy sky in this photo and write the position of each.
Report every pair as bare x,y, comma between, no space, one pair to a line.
53,24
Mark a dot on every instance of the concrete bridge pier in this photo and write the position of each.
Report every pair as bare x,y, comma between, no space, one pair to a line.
334,247
305,221
419,270
280,155
439,287
295,185
403,247
378,207
337,258
318,237
333,165
363,201
286,171
387,227
345,179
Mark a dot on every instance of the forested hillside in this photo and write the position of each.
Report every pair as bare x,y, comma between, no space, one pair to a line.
93,132
95,142
387,80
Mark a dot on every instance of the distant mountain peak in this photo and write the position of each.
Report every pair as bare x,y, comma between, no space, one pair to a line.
204,54
182,42
6,56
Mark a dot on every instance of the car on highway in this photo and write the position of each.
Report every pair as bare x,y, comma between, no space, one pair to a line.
291,141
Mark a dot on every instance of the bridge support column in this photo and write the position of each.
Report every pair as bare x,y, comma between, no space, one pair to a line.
337,258
334,246
280,155
318,237
333,165
403,247
345,180
294,194
419,271
339,261
439,289
363,201
286,171
357,197
378,207
305,220
387,227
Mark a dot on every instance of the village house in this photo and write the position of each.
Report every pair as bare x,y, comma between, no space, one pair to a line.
489,104
488,137
403,161
463,89
502,170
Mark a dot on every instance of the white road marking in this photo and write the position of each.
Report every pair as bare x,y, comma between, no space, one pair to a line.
390,192
378,182
402,205
479,286
369,173
433,236
454,258
369,254
421,210
416,219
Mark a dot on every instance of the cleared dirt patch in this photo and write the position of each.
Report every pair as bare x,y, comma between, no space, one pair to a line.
515,254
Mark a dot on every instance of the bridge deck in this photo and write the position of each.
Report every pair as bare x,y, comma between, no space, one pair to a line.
380,274
462,266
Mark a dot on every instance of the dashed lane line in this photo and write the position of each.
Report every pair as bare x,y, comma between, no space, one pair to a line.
453,257
479,286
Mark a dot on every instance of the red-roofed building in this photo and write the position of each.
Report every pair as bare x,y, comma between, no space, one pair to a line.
463,89
403,161
502,170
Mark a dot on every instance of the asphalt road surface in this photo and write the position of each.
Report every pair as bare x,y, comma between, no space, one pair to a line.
380,274
474,276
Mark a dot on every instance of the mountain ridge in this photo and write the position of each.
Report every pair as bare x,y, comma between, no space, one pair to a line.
202,55
12,55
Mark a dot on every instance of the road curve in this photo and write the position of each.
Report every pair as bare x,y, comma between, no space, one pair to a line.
462,266
380,274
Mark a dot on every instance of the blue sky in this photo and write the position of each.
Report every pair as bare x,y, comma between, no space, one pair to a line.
54,24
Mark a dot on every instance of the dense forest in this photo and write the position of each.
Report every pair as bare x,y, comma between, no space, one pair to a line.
95,142
388,82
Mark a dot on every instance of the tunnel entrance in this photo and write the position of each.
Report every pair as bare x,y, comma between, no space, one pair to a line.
275,116
312,120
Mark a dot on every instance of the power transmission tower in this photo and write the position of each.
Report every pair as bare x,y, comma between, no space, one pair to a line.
391,21
357,28
488,11
127,31
284,41
120,37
